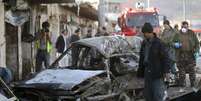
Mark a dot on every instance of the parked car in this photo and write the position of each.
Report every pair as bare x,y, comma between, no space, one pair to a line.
106,71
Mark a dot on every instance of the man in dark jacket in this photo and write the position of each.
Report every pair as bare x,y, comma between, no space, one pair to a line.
89,34
75,49
61,42
155,63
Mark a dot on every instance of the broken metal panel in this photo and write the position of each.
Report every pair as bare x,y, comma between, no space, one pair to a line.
102,87
124,64
107,45
8,93
92,81
101,97
135,42
67,77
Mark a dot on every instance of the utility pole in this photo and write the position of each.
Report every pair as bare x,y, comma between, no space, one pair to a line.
19,52
78,2
184,9
2,36
101,12
148,3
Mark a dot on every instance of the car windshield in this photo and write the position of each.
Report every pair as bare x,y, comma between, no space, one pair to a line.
138,20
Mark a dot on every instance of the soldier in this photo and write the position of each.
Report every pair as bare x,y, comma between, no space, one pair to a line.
167,37
187,45
176,28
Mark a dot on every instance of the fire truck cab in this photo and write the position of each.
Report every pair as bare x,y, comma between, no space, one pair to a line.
132,20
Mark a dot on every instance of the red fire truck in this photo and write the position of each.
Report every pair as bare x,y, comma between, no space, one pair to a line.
131,20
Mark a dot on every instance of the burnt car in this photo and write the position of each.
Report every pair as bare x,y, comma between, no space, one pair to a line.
106,71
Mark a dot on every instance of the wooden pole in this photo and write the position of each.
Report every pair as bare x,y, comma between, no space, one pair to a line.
2,37
19,53
32,31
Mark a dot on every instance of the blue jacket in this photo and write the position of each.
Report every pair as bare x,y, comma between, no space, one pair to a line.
158,60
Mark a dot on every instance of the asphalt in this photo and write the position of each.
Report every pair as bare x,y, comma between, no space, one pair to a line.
192,96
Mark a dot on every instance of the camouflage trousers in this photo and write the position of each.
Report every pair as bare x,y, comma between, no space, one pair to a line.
186,64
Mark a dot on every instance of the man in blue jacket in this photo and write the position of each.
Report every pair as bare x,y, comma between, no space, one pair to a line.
155,63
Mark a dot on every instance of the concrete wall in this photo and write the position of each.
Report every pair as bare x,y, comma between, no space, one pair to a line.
11,49
2,37
53,14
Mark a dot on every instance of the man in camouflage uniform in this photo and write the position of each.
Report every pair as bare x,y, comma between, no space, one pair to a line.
167,37
187,45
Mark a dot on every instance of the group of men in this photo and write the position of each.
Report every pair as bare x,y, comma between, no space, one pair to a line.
44,45
159,56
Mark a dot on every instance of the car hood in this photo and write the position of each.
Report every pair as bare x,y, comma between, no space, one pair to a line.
65,78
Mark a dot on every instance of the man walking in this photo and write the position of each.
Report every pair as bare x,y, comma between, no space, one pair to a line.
187,45
155,63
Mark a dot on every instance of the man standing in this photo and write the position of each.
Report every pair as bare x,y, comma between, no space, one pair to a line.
167,38
89,33
155,63
62,44
187,45
104,31
44,46
75,49
176,28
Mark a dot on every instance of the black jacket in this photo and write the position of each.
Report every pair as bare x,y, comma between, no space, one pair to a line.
158,60
75,49
60,44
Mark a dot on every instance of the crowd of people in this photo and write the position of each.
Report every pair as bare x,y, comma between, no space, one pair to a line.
44,45
173,52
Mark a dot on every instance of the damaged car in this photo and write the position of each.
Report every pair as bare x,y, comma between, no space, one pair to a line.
105,71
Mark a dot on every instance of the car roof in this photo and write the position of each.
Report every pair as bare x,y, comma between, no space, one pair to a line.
108,46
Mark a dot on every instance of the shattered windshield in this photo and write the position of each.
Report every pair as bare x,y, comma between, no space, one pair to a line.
134,20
